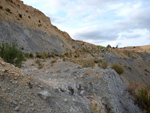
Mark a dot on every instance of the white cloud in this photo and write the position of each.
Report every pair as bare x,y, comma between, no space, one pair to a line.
100,21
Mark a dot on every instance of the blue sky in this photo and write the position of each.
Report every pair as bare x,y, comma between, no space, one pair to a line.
101,22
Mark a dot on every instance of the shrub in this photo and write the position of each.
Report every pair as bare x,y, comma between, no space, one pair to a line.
40,65
84,62
10,53
31,55
103,64
45,55
118,68
53,61
26,55
8,10
22,48
41,55
39,25
1,7
69,54
97,60
129,68
143,99
101,47
38,55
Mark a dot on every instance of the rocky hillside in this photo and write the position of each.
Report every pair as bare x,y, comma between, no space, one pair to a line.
82,80
62,87
32,30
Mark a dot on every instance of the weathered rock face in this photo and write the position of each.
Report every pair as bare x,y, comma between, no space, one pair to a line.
84,90
136,66
31,40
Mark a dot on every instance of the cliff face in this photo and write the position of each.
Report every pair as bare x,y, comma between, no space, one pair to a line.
31,29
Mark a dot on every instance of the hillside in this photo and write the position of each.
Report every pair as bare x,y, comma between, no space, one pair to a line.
67,76
135,61
32,30
62,87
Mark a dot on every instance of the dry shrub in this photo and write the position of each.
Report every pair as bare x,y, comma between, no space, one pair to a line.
87,72
141,93
53,61
84,62
97,60
118,68
103,64
31,55
143,99
96,107
133,87
40,65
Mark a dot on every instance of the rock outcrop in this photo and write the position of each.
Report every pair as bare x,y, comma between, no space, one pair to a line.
83,90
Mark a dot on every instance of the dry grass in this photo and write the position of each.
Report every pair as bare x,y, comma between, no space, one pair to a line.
84,62
87,72
133,87
53,61
40,65
95,107
141,93
118,68
103,64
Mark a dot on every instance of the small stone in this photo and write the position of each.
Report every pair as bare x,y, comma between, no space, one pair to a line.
3,90
16,78
40,86
14,102
44,94
65,100
82,92
16,108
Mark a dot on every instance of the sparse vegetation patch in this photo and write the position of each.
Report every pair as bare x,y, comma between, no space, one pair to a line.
143,99
84,62
103,64
10,53
118,68
8,10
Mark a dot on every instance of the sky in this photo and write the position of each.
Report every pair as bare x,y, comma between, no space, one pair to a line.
101,22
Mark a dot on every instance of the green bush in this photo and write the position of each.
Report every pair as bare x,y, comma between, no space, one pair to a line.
26,55
10,53
118,68
143,99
